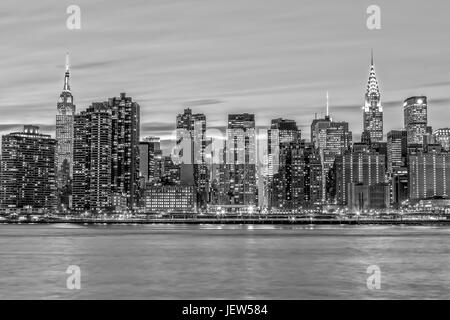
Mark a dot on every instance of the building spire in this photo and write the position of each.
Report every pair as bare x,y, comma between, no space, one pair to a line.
373,90
328,105
67,62
371,60
67,75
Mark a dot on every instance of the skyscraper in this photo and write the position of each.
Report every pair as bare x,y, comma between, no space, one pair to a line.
107,155
92,158
288,183
64,140
27,174
373,110
149,149
397,150
125,148
330,139
238,181
191,148
281,131
415,118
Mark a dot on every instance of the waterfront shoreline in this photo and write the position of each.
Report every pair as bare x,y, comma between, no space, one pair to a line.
445,222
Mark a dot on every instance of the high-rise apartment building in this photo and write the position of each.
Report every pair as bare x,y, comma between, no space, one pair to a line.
92,159
27,172
125,148
106,160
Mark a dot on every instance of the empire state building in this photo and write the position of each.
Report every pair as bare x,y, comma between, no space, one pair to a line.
64,139
373,110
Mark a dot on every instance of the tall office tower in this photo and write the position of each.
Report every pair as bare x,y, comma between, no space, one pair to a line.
318,129
429,175
125,149
281,131
397,150
366,168
27,175
330,139
397,167
442,136
92,159
415,118
64,141
170,172
338,141
297,184
239,180
191,146
148,152
313,176
373,110
287,190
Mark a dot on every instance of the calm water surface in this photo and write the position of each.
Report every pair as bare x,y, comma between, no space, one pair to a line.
223,262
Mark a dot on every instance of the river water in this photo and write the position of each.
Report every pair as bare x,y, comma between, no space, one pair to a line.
223,262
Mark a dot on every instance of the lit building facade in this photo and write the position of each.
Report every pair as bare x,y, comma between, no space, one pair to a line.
442,136
170,199
366,168
429,175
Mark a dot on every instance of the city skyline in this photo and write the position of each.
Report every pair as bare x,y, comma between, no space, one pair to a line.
259,67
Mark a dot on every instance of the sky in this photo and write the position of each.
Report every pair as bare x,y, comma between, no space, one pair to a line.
273,58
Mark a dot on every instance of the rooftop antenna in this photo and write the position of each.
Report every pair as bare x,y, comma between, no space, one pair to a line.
328,105
67,61
371,60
